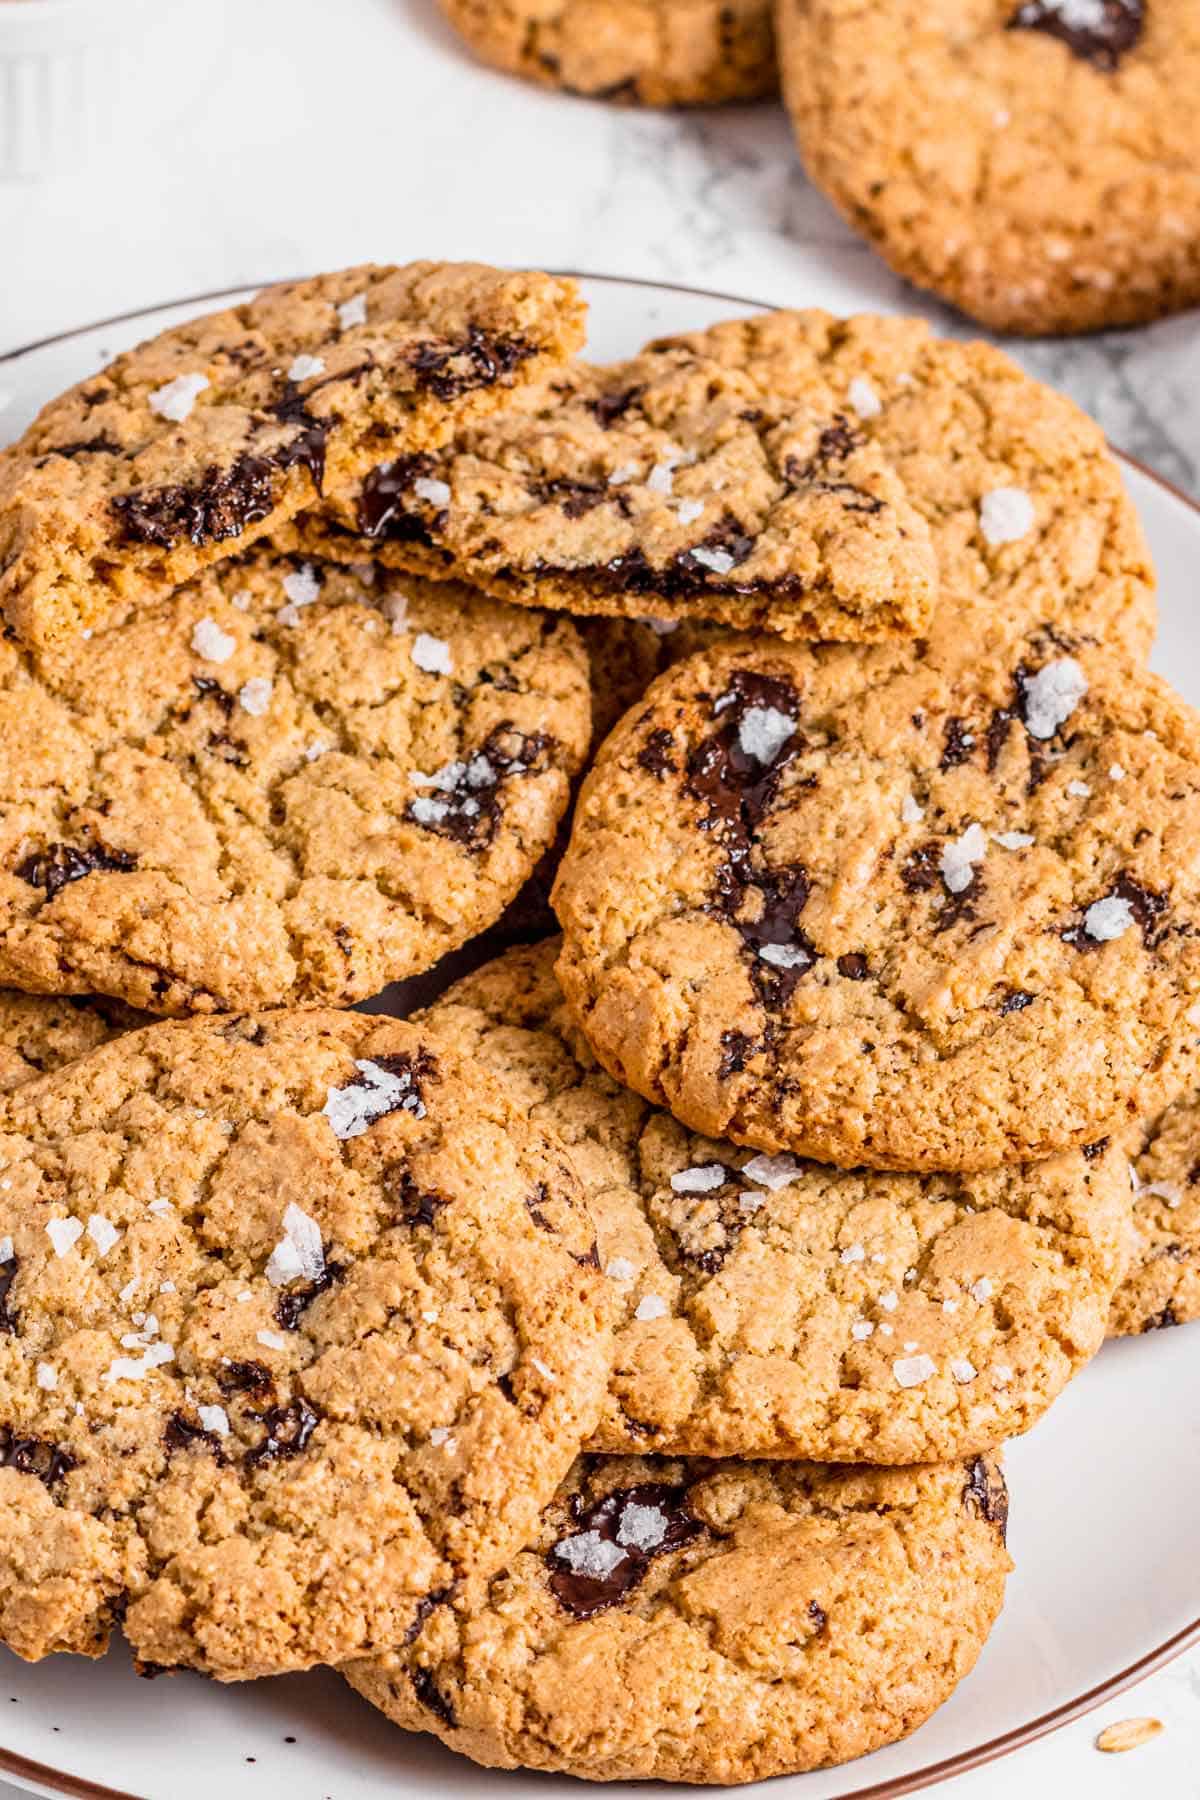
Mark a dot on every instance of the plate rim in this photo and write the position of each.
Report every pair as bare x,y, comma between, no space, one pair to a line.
76,1787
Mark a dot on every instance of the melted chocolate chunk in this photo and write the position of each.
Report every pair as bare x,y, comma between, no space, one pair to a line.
1146,905
605,1523
306,450
96,446
228,749
477,360
1015,1000
1100,35
35,1456
725,539
987,1494
576,497
288,1429
8,1274
58,865
466,803
608,408
413,1205
1162,1321
209,689
221,505
427,1692
959,743
818,1615
835,444
702,1228
381,512
291,1307
781,897
999,725
655,754
922,869
1092,1151
427,1604
413,1071
181,1434
246,1378
737,1047
853,966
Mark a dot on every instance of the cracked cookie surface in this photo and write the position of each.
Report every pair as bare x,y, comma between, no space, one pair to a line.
672,485
712,1622
648,52
196,442
1020,497
1030,163
872,909
300,1327
40,1033
285,783
770,1307
1162,1287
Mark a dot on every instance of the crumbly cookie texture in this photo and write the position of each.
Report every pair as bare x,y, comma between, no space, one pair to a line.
1029,519
673,485
286,783
301,1326
771,1307
200,440
645,52
877,910
40,1033
712,1622
1162,1287
1030,162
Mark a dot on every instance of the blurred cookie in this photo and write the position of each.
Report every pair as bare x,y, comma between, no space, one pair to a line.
769,1307
301,1327
712,1622
201,439
873,909
648,52
283,784
1035,162
1162,1287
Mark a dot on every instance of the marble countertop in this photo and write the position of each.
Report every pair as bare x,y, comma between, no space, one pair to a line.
319,136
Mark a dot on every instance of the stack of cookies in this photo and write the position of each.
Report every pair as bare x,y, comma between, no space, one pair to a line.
608,1365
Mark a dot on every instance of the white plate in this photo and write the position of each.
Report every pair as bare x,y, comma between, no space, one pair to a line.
1103,1492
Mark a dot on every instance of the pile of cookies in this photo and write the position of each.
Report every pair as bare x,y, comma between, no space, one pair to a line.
1034,162
607,1366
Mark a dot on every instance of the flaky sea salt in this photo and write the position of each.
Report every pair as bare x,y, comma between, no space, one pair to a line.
853,1253
590,1555
47,1375
888,1302
642,1527
6,1249
963,1369
351,1109
271,1340
718,562
1005,515
653,1306
1013,840
176,399
102,1232
431,490
688,511
210,642
863,398
911,1371
1051,696
132,1368
431,654
254,696
1108,918
861,1330
299,1252
214,1419
1079,790
785,956
959,857
703,1179
910,812
763,731
352,312
64,1234
304,367
980,1290
773,1172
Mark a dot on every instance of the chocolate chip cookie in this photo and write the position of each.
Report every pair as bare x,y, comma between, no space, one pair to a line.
673,486
1162,1287
285,783
198,441
1032,161
874,909
642,488
301,1326
40,1033
712,1622
771,1307
647,52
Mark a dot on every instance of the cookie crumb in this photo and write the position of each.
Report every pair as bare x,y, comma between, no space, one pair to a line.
210,642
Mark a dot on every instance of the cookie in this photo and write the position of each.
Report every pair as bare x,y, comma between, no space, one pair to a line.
283,784
671,486
301,1327
39,1034
876,910
769,1307
1029,519
201,439
712,1622
1162,1287
1028,160
645,52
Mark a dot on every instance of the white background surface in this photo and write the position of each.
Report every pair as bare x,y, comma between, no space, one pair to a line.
312,133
